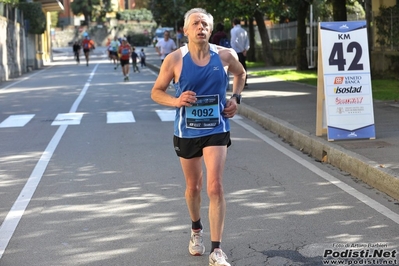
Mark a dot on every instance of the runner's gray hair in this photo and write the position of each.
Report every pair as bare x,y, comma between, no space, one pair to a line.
197,10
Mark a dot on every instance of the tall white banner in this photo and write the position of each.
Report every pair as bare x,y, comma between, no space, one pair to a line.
347,80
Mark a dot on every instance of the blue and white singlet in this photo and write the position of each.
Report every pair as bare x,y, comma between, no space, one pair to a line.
210,83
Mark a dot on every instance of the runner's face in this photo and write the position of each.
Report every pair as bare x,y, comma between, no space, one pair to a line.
166,35
198,29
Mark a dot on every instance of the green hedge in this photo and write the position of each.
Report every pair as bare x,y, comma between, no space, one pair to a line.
138,39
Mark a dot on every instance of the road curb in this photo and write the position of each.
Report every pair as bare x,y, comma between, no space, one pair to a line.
368,171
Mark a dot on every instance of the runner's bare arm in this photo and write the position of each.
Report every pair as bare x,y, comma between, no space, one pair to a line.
167,73
229,58
237,70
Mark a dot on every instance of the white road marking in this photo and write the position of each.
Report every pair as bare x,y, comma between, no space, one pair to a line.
120,117
68,119
16,120
17,210
166,115
345,187
13,217
236,117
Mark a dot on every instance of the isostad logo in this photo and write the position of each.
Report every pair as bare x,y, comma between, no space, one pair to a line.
351,89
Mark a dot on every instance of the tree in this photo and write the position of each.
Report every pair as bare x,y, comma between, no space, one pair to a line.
295,10
83,7
54,18
142,4
168,12
301,40
35,16
264,36
368,9
11,2
339,10
91,9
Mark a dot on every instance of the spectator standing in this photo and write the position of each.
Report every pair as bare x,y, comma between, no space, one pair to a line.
142,57
165,46
135,56
240,43
219,34
180,37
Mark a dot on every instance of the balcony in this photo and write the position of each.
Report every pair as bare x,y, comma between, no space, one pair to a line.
51,5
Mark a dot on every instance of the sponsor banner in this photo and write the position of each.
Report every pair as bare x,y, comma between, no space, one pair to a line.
339,111
340,101
359,133
347,82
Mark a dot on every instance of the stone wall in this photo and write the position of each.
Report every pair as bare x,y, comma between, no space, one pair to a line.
64,37
12,49
3,49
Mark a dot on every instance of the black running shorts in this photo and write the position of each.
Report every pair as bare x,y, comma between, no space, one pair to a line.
124,62
192,147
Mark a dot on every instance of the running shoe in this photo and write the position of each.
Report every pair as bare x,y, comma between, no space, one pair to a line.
196,246
218,258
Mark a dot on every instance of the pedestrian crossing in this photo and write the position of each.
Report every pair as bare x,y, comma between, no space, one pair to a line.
120,117
16,120
76,118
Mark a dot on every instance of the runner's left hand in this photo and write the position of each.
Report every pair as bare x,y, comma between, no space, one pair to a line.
231,108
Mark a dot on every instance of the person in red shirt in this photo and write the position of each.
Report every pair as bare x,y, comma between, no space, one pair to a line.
219,35
87,45
124,56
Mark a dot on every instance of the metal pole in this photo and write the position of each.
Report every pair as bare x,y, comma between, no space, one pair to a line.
311,36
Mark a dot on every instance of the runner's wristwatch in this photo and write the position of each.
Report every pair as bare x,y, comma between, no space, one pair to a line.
237,96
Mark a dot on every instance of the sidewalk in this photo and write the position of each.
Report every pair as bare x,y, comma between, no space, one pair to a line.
289,110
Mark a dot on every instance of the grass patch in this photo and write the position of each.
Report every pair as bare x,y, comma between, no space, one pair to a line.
383,89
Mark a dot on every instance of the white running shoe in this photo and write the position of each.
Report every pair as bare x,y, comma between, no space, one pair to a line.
218,258
196,246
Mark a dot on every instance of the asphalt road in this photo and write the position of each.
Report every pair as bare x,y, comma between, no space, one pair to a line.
88,176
